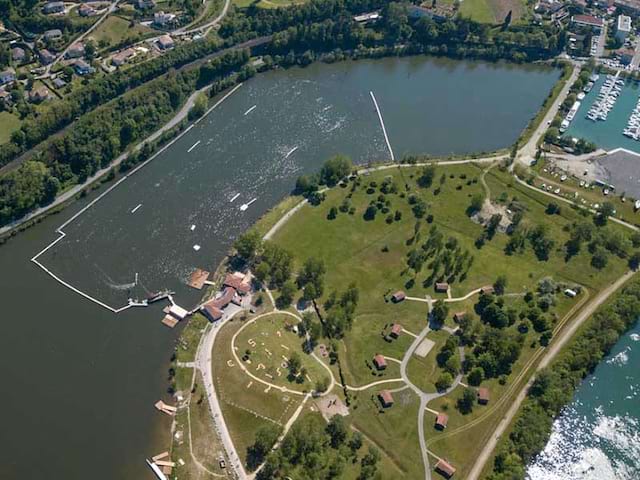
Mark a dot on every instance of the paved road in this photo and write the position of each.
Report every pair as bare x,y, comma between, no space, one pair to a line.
207,26
548,356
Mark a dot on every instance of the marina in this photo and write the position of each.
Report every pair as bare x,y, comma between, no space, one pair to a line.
609,92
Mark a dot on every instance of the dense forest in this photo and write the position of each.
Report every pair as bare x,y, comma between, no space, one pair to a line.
100,136
554,386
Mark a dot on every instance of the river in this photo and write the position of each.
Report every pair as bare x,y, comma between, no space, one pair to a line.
597,437
80,381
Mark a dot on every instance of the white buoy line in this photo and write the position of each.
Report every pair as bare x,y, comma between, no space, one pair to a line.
62,234
384,130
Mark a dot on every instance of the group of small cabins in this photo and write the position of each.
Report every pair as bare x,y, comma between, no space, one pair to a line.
234,287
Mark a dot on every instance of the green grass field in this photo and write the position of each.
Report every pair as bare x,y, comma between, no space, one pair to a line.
115,30
9,123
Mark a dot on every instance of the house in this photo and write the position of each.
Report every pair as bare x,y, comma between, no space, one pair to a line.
459,316
165,42
628,6
386,399
18,54
53,7
82,68
145,4
53,34
442,287
367,17
441,421
5,97
75,51
445,469
487,290
86,10
623,27
588,21
58,82
398,297
379,362
483,396
46,57
238,281
396,330
7,76
160,19
212,312
123,57
39,94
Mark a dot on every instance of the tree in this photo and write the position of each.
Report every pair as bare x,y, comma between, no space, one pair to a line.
311,278
444,381
552,135
425,180
333,213
634,261
476,204
355,443
294,364
337,430
600,258
467,400
287,291
265,439
199,107
248,245
475,376
602,216
370,212
500,284
553,209
335,169
439,312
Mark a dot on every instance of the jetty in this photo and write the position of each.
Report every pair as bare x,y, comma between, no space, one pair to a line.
244,206
164,408
194,146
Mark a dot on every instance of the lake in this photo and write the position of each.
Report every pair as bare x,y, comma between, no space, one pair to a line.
79,381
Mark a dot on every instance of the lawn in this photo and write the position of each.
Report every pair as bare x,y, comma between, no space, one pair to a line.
266,346
116,30
372,253
424,372
492,11
9,123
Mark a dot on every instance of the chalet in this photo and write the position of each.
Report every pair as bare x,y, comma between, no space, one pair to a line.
82,68
483,395
75,51
398,297
39,94
441,421
46,57
145,4
238,281
7,76
18,54
87,10
442,287
165,42
53,7
123,57
487,290
396,330
379,362
445,469
386,399
588,21
54,34
459,316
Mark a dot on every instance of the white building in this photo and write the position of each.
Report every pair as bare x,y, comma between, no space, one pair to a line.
623,27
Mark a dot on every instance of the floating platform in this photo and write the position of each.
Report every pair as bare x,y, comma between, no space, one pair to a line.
198,278
164,408
170,321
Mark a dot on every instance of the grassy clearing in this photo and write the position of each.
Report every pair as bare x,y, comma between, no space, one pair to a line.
9,123
423,372
116,30
269,341
478,10
190,337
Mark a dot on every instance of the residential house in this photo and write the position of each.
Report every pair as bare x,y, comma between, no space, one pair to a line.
442,287
46,57
588,21
165,42
396,330
123,57
483,395
86,10
39,94
82,68
7,76
161,19
441,421
628,6
53,34
53,7
398,297
459,316
5,97
75,51
59,82
379,362
18,54
445,469
145,4
487,290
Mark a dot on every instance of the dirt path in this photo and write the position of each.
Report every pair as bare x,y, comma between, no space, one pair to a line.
548,356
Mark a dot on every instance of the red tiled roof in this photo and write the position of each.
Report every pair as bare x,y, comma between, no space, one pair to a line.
442,419
380,361
442,286
386,397
589,20
483,394
396,329
213,312
445,468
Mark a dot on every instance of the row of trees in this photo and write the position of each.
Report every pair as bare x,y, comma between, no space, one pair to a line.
553,387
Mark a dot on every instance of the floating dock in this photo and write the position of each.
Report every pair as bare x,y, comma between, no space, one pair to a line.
136,208
194,146
234,197
198,277
250,110
244,206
